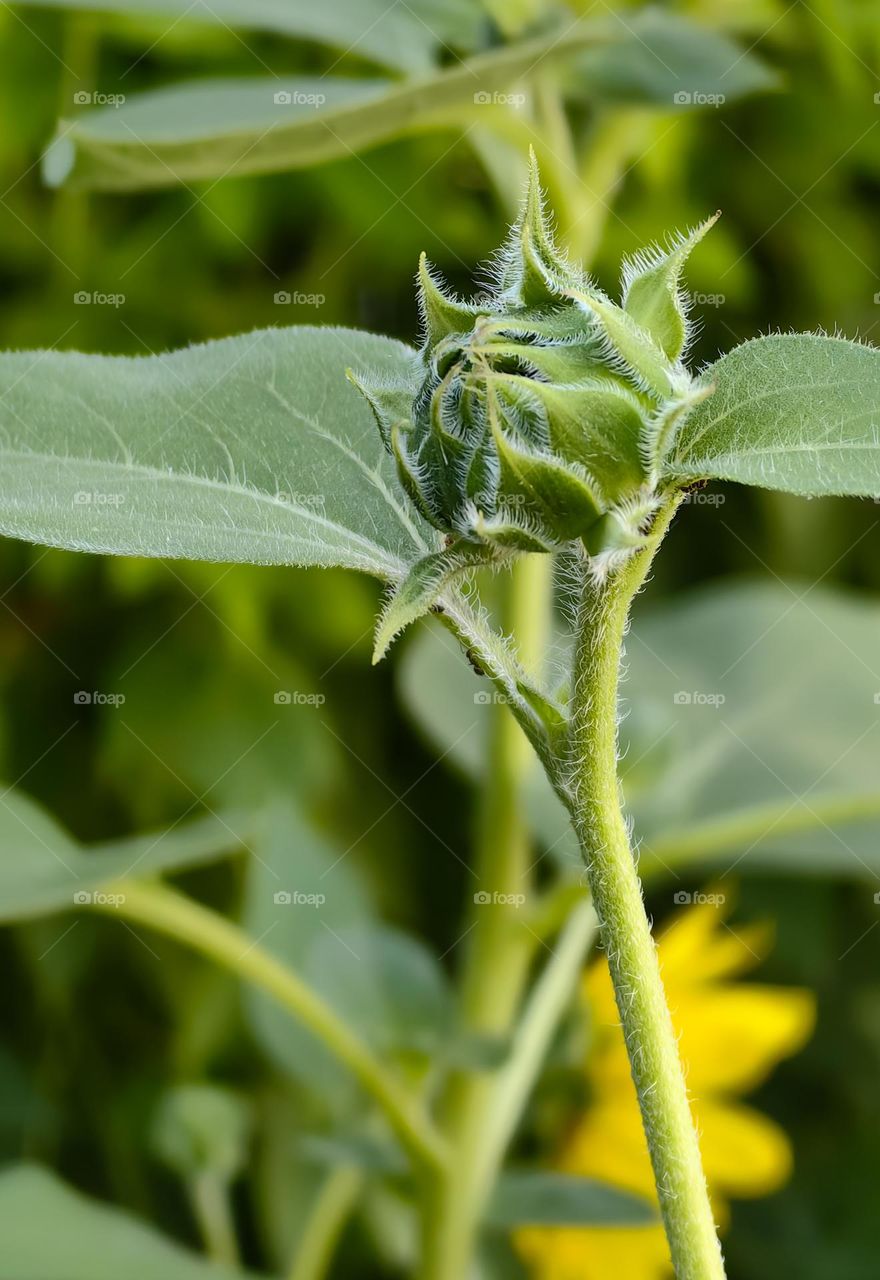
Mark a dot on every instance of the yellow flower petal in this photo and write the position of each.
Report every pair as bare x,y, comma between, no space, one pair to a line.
732,1037
744,1152
600,1253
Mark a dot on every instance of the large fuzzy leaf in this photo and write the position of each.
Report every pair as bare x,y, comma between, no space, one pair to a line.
251,449
799,412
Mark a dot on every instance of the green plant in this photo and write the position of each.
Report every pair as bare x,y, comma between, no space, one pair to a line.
542,422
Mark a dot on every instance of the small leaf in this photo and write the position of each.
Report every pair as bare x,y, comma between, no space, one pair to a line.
441,313
798,412
652,291
628,343
525,1198
52,1232
422,587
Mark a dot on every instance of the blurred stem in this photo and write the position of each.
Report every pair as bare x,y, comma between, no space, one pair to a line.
547,1003
617,892
333,1204
499,945
70,210
209,1194
616,136
172,913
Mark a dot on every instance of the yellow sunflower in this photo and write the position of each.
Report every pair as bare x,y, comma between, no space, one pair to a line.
731,1036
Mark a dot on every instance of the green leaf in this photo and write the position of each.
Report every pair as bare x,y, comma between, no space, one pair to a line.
666,56
405,36
783,771
252,449
52,1232
207,129
308,905
44,870
798,412
652,290
753,730
535,1197
423,585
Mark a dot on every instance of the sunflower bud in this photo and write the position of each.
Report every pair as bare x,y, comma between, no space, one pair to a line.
545,409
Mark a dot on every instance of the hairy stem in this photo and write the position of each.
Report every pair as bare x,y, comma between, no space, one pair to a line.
626,932
172,913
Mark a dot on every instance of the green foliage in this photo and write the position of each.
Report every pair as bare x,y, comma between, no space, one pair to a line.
799,412
43,870
211,128
749,731
51,1232
159,456
536,1198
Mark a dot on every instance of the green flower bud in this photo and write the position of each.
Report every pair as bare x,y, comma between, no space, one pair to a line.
545,409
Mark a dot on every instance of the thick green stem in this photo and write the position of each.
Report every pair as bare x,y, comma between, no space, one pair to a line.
499,945
626,932
162,908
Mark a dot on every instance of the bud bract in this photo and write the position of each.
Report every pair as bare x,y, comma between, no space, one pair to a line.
545,408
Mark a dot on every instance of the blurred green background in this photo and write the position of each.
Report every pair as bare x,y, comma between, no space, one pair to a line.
93,1029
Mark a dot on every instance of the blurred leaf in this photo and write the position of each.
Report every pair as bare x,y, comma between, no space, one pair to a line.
670,56
210,128
199,1128
207,129
251,449
43,869
51,1232
308,906
752,711
799,412
357,1149
542,1198
400,35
